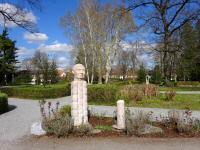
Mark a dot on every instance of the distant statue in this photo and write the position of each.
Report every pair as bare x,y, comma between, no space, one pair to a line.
147,79
175,78
79,96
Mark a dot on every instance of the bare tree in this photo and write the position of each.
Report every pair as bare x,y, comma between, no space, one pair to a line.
115,29
166,17
41,65
134,53
96,31
124,62
13,12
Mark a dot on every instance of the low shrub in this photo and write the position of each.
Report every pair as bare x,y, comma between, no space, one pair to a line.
171,120
135,122
138,92
104,93
170,83
170,95
187,124
65,110
183,122
150,90
53,122
131,93
82,130
59,123
3,103
37,92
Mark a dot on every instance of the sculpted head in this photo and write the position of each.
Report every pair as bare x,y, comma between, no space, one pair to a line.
78,71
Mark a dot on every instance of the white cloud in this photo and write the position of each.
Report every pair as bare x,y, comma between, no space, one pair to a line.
144,51
35,37
20,15
62,61
58,47
59,51
23,52
140,45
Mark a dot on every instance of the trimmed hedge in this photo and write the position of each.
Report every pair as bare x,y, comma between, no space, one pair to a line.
105,93
3,103
188,83
38,92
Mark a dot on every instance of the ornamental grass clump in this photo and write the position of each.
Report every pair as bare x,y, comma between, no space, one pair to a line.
170,95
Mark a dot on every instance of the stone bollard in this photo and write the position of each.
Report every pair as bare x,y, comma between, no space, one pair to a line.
120,115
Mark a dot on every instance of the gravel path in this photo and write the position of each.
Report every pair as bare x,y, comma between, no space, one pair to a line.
157,113
129,143
15,125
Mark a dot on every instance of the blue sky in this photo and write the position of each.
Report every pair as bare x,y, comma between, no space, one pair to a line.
51,34
51,38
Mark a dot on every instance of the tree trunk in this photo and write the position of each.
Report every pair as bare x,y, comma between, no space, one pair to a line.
108,69
99,74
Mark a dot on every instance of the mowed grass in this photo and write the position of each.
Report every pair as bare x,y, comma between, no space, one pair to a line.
180,88
182,101
191,102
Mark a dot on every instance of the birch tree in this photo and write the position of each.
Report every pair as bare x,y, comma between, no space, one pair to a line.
96,31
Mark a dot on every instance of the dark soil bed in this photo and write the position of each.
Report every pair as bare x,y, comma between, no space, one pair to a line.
168,132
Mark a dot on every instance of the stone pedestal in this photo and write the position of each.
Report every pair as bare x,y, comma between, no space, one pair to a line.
120,115
79,96
79,102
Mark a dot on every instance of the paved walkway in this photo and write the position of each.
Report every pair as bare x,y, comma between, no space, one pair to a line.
122,143
15,125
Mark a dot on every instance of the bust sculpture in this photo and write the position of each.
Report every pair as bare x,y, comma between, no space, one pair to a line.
79,72
79,96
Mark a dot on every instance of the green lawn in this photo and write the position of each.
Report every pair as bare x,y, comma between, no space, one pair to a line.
180,88
182,101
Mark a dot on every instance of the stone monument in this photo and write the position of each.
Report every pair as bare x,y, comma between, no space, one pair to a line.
120,115
79,96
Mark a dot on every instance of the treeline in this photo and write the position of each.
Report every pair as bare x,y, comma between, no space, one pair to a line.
40,66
